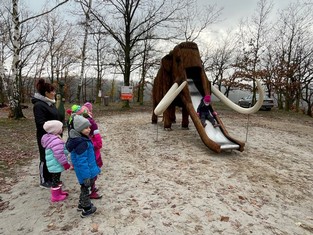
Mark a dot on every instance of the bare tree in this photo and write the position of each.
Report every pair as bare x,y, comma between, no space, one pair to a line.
131,24
147,62
60,53
195,19
28,45
99,57
306,74
219,63
253,38
4,52
14,96
86,7
293,51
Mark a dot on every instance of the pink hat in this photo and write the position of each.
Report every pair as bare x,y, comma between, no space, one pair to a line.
53,127
89,106
82,110
207,99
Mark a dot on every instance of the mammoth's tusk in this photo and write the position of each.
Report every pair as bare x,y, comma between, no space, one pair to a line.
169,97
236,107
168,93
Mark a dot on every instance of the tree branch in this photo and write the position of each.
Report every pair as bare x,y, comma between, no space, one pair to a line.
44,13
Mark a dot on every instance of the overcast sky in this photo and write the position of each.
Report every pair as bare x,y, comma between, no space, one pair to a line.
233,11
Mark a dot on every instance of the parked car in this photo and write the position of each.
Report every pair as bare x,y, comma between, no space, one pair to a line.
246,102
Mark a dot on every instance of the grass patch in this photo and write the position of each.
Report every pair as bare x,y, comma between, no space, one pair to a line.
18,144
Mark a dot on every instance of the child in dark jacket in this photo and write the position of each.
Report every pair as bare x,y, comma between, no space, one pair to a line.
84,161
206,112
56,157
74,109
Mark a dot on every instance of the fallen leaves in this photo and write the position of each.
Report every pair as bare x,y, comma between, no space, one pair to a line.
94,228
3,205
305,226
224,218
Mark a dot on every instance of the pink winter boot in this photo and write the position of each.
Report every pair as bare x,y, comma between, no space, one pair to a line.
94,195
61,191
56,195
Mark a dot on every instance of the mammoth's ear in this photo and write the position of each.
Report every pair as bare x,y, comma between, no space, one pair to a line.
167,62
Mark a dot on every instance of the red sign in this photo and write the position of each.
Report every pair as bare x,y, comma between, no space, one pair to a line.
126,93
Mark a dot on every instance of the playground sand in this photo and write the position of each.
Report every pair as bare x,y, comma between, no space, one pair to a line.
168,182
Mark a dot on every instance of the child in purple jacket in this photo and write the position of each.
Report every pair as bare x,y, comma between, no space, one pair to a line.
56,157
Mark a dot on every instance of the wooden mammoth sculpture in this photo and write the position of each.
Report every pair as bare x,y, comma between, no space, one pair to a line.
181,77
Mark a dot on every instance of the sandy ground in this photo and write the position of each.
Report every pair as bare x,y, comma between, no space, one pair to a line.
160,182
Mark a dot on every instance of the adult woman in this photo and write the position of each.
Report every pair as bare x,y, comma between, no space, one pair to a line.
44,110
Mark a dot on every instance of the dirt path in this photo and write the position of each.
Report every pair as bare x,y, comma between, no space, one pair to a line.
159,182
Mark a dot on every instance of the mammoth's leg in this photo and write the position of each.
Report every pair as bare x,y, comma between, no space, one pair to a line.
172,114
154,118
185,116
167,118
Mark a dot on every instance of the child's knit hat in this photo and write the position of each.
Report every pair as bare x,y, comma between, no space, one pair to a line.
75,108
80,123
207,99
89,106
82,110
53,127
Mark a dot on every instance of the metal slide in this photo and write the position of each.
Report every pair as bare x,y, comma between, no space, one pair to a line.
215,134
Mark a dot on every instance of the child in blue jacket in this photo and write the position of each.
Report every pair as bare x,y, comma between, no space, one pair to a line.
84,161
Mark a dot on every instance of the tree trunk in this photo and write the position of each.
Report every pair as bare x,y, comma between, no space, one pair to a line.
87,14
309,112
126,78
99,76
14,99
4,82
310,106
142,89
